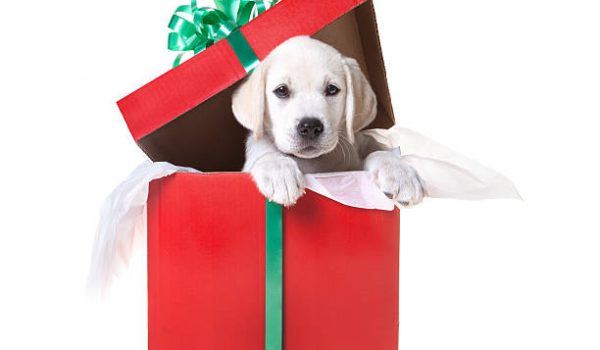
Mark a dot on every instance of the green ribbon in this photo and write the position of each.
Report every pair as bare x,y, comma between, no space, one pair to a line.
274,277
196,28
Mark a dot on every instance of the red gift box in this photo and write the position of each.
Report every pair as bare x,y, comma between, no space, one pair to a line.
184,116
206,233
206,269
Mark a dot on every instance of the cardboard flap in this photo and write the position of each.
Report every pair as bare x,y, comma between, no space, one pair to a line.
208,137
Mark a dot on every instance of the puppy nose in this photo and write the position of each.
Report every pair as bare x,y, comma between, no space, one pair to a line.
310,128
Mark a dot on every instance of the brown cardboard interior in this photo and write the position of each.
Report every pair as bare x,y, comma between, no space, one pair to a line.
209,138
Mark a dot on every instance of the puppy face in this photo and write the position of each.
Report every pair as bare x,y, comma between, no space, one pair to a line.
306,97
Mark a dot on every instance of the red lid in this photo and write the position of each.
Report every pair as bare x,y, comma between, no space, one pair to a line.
184,116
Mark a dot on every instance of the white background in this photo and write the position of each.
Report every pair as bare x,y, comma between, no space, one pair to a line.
514,84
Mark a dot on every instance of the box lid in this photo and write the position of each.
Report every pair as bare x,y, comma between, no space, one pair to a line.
184,116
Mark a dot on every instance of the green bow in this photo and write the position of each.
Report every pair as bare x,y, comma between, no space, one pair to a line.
196,28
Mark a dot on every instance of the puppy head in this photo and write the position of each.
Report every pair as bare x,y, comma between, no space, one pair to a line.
305,96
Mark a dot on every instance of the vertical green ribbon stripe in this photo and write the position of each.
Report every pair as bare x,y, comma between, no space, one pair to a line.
243,50
274,277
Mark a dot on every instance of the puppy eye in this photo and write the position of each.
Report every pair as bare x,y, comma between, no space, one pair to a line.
282,91
332,90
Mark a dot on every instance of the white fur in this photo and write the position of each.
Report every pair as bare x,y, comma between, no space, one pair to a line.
277,156
395,177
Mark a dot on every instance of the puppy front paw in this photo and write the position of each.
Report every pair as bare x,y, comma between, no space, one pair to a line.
279,179
395,178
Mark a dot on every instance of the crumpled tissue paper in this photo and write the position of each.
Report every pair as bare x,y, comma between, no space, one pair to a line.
445,174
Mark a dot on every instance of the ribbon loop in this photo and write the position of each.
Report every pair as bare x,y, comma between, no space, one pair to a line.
196,28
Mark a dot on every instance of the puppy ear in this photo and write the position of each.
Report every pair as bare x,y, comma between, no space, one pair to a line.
361,102
248,101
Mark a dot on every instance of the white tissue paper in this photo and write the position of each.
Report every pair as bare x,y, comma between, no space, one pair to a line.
123,215
445,174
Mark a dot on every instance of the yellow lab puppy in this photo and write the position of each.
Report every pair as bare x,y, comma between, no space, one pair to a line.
305,105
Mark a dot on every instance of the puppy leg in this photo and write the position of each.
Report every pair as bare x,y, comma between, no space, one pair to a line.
278,178
394,177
